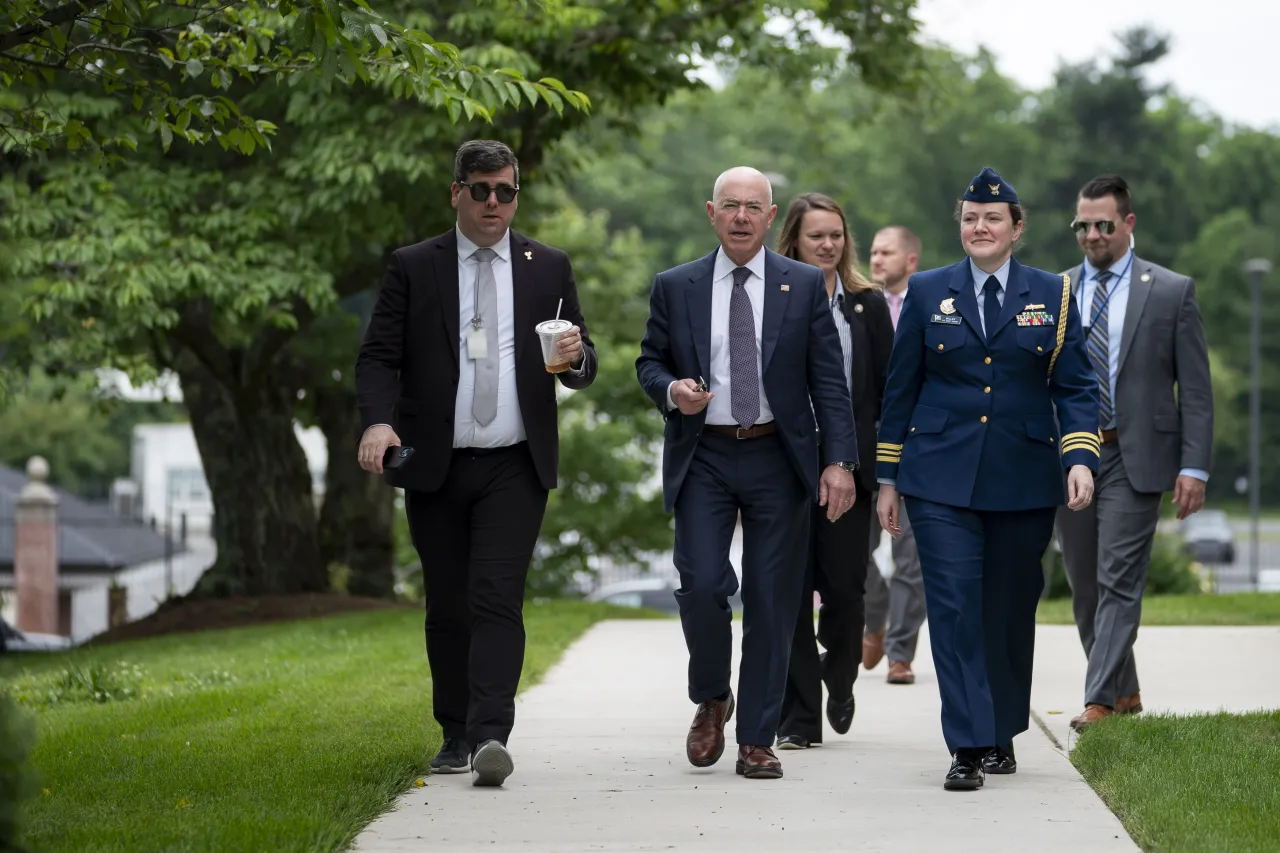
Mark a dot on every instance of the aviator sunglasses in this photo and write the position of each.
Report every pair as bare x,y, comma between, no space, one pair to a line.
1104,226
480,191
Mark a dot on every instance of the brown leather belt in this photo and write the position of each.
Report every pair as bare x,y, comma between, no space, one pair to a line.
1108,436
759,431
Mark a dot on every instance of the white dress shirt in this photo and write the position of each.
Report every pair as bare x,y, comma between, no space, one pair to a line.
980,281
836,304
507,427
720,409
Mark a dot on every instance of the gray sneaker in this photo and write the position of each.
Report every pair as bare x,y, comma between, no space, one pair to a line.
491,764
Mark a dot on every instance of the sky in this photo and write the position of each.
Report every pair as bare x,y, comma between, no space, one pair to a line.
1223,53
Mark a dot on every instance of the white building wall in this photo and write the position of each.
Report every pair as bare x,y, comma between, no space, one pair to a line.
165,463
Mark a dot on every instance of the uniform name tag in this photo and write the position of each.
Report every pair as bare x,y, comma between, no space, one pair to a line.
1036,318
946,319
477,344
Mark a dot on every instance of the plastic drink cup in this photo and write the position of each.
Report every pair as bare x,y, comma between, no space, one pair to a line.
550,332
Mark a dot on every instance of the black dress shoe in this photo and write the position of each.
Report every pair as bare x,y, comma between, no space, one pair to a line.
454,757
793,742
1000,761
966,770
840,714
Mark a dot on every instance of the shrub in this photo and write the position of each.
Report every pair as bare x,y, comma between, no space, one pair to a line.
1172,571
17,781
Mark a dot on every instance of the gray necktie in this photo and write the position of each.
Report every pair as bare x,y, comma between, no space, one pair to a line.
744,372
484,405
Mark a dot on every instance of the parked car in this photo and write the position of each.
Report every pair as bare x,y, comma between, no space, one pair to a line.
655,593
1209,538
13,640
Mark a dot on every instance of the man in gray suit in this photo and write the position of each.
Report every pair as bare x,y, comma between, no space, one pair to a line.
1155,405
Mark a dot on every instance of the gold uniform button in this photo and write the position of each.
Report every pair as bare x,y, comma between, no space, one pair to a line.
1039,349
939,346
913,429
1051,439
983,419
986,390
987,360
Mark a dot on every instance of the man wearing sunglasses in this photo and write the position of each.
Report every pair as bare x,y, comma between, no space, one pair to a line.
1144,337
451,359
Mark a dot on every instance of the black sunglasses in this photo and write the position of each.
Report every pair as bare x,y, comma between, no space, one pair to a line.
1104,226
480,191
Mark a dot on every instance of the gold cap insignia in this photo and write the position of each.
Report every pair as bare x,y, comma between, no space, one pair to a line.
970,187
995,188
948,306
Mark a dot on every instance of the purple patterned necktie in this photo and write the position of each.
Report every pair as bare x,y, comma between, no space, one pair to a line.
744,372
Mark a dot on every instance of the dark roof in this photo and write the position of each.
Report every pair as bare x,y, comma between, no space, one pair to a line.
90,536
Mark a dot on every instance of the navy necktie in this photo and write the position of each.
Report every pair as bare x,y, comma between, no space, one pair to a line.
991,305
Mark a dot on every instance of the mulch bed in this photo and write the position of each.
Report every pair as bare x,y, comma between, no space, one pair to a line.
189,615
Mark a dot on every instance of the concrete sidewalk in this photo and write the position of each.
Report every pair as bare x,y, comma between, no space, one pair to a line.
1180,669
600,765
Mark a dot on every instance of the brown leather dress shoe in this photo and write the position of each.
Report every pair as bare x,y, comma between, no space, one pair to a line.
900,673
705,742
872,649
758,762
1129,704
1091,715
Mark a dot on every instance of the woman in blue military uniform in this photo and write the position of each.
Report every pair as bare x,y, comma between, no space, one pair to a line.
986,350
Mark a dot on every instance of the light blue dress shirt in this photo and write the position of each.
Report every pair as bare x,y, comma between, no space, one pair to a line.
1117,307
980,281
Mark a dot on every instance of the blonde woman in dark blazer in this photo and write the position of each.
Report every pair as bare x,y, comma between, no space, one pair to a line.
816,232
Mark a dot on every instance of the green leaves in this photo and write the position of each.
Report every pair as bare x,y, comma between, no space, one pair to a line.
155,56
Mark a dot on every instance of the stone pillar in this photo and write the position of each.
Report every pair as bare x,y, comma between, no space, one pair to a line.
35,552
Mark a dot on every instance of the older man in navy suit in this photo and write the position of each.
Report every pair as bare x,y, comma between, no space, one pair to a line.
740,355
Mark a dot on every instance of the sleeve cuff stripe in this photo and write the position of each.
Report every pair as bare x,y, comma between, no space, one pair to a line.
885,446
1092,450
1082,436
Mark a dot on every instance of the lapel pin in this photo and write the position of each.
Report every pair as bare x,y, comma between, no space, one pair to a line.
786,288
1146,276
528,256
857,309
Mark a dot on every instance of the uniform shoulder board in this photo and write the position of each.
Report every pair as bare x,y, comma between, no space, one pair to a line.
1062,321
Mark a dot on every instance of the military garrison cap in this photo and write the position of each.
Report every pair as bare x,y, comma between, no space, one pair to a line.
988,186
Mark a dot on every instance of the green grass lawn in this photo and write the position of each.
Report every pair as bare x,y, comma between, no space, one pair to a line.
1244,608
285,737
1207,782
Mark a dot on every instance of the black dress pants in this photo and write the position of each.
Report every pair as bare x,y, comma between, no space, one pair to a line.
837,568
475,537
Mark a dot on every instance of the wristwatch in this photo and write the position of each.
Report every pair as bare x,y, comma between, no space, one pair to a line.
848,466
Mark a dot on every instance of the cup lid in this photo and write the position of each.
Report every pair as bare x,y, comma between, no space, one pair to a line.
552,326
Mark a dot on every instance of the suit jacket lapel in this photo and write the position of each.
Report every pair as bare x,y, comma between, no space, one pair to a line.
446,276
522,290
964,300
1017,284
775,305
698,298
1139,290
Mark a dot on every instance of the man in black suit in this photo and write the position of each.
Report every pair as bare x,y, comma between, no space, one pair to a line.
451,359
756,326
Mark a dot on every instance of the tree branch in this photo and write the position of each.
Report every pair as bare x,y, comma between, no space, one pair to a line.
53,18
193,332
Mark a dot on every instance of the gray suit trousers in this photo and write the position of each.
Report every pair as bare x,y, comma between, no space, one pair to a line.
900,601
1107,551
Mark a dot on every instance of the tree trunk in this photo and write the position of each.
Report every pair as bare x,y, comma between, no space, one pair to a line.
264,512
358,517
